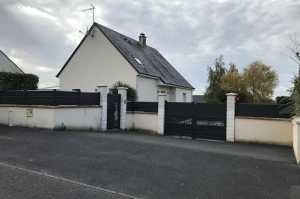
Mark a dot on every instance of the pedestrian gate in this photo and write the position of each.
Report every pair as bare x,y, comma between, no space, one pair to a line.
196,120
113,111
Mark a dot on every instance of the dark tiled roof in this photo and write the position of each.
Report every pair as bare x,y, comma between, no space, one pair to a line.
6,65
198,98
154,64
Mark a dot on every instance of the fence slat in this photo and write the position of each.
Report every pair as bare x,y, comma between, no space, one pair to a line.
143,106
50,98
260,110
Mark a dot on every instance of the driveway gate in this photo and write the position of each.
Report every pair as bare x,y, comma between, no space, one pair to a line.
196,120
113,111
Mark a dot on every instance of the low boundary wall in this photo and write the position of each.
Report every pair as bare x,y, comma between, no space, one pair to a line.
264,130
145,121
52,117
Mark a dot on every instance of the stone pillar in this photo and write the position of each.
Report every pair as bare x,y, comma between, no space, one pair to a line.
161,113
230,116
103,89
123,92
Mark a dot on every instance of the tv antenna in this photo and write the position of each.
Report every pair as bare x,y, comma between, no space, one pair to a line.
92,8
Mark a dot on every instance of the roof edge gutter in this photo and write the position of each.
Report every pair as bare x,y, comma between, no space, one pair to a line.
176,86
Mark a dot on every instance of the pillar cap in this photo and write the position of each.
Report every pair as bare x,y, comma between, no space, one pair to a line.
102,85
122,88
231,94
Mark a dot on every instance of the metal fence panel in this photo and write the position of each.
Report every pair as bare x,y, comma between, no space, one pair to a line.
260,110
143,106
51,98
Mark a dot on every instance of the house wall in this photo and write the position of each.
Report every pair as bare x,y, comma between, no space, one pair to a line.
264,130
142,121
96,61
179,94
147,89
73,118
167,91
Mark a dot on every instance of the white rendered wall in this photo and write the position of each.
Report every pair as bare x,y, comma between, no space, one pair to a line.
97,61
179,94
72,118
78,118
147,89
167,91
42,117
172,96
142,121
266,131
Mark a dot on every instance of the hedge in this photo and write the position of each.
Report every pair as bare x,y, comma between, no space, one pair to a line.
282,100
18,81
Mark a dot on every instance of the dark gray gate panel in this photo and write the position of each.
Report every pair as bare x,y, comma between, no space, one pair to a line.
205,121
178,119
211,121
113,111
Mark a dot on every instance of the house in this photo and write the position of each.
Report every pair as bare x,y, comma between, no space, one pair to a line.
198,98
105,56
6,65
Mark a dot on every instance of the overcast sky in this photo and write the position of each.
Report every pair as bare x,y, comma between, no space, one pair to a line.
40,35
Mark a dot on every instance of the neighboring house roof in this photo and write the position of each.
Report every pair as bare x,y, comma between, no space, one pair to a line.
6,65
198,98
153,63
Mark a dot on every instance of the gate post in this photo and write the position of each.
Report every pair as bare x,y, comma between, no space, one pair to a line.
103,89
123,104
230,117
161,113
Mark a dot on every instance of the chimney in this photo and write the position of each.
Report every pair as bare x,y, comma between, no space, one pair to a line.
142,39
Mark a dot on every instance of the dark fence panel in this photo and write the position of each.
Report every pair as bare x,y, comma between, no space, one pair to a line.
89,98
260,110
52,98
39,98
143,106
12,97
66,98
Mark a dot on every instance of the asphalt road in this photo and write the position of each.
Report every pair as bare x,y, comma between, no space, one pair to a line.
37,163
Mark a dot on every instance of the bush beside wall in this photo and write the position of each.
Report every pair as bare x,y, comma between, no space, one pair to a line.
17,81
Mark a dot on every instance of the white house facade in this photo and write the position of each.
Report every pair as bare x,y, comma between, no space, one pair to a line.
105,57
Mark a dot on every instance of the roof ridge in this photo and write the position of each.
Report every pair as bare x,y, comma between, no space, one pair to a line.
123,35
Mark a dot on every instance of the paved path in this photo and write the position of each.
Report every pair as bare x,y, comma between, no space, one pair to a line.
37,163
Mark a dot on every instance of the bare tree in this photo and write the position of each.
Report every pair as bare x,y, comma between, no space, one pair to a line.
295,50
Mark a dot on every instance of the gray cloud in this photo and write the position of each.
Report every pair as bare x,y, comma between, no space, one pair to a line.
41,35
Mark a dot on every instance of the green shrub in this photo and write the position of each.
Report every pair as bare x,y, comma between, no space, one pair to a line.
131,92
282,100
18,81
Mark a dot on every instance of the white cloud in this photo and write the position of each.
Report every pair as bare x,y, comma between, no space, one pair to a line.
190,34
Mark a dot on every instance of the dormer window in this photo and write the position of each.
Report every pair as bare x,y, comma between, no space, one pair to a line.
138,61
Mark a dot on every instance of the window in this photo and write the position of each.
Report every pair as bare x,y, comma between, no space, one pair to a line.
138,61
184,97
76,89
